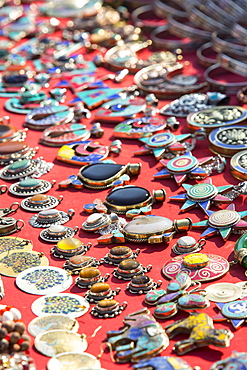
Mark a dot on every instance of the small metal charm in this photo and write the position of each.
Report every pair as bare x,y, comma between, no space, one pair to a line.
8,225
78,262
129,268
24,168
223,292
201,333
7,211
103,223
129,198
108,308
55,233
40,202
118,254
3,189
205,193
30,187
187,166
142,284
69,247
238,360
9,132
88,276
144,336
223,222
228,141
216,117
51,217
100,291
102,176
187,244
167,145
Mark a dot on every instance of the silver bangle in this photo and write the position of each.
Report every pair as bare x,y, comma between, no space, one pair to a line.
181,27
219,14
231,7
164,9
161,42
225,42
202,58
233,65
229,88
240,32
138,18
202,20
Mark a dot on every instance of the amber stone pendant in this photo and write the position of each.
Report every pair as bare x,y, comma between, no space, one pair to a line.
108,308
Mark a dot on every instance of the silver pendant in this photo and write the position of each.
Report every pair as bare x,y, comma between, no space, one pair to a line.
51,217
25,168
40,202
55,233
30,187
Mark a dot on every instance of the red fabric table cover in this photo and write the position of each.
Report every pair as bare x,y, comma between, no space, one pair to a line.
156,254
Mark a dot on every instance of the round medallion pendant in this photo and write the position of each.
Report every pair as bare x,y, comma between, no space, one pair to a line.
202,191
235,310
161,140
182,164
224,218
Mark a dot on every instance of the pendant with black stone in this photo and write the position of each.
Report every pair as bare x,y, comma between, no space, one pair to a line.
142,284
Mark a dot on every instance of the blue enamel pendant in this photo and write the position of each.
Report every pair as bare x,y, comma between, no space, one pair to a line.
82,152
119,109
94,98
235,312
139,127
43,117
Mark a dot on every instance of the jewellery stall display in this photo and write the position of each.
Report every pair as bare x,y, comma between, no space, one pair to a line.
86,88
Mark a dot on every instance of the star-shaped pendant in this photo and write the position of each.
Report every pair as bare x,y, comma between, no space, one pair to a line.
202,195
165,145
223,222
187,166
235,311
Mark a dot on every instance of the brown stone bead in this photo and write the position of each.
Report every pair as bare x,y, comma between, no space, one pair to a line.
129,265
11,147
120,250
107,303
39,198
89,272
100,287
140,280
78,260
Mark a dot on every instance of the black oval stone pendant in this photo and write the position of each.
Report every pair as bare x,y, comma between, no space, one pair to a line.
128,195
101,171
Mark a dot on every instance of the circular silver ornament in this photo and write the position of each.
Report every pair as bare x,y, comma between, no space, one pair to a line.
40,202
30,187
52,322
188,244
24,168
51,217
223,292
54,233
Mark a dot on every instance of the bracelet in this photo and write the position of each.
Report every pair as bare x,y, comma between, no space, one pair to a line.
242,95
225,42
220,15
164,9
181,27
229,88
160,38
240,32
232,65
231,8
140,18
202,20
202,58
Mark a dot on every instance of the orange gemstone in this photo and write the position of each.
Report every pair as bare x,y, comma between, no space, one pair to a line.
89,272
107,303
100,287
